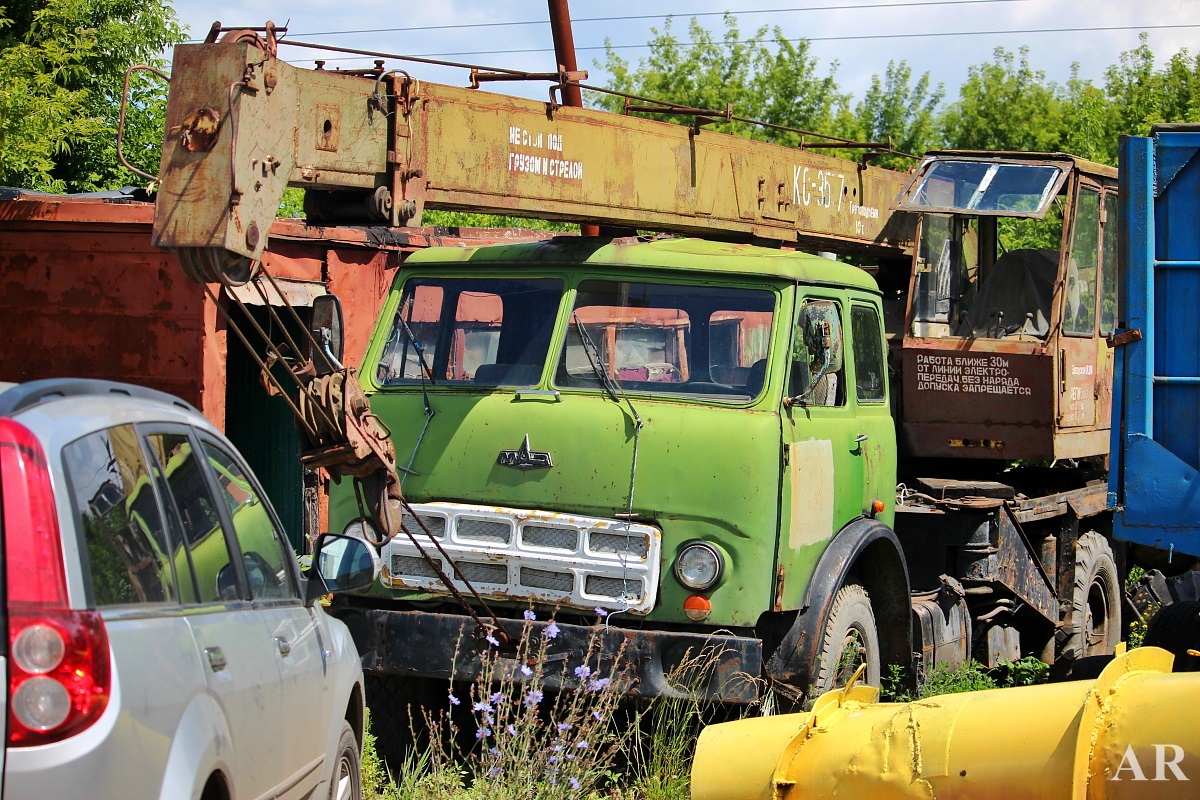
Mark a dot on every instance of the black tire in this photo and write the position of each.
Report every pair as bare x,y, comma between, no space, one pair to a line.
850,639
1177,628
1094,627
346,782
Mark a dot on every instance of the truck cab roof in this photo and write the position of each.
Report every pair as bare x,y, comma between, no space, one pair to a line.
688,255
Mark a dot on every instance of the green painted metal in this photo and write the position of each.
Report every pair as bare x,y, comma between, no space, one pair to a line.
740,475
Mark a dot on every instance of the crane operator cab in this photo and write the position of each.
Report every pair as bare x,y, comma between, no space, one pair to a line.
1012,291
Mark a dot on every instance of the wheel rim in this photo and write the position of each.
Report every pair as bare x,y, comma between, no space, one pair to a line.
1096,619
343,779
851,656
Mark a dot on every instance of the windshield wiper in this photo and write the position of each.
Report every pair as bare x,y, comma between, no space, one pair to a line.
426,370
593,356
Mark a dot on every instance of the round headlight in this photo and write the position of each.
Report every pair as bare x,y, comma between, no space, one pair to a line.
698,566
361,529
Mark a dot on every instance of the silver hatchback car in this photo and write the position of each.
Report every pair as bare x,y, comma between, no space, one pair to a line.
159,638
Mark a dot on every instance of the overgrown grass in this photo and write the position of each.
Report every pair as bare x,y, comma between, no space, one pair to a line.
969,677
527,741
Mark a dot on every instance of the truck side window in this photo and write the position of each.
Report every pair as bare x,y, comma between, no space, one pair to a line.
817,361
868,354
1079,316
115,502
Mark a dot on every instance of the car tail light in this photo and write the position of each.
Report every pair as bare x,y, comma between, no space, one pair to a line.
58,676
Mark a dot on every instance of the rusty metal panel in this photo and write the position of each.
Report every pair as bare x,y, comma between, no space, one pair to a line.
981,403
228,150
242,125
486,152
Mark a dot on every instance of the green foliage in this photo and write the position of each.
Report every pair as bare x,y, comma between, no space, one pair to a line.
778,84
1005,104
292,204
62,68
464,219
898,110
969,677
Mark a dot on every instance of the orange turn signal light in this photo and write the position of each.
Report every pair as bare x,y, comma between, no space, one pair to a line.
697,607
877,506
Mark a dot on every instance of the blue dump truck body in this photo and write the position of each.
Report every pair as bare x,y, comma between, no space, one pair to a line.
1154,481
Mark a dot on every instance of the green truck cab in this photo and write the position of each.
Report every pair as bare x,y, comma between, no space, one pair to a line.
689,440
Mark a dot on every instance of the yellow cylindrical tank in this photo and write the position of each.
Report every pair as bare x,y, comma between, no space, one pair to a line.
1133,732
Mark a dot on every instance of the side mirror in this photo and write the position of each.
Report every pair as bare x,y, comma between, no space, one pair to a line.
327,331
341,564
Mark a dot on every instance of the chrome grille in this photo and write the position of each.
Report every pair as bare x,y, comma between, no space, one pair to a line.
545,579
483,573
484,530
613,587
521,554
550,537
413,566
618,543
436,525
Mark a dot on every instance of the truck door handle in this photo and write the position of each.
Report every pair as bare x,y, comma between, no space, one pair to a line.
862,437
285,649
216,659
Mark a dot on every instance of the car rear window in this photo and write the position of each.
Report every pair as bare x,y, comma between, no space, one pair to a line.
118,514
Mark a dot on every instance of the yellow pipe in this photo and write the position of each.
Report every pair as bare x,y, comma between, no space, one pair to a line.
1133,732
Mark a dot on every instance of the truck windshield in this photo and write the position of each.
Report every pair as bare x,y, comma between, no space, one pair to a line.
455,331
668,339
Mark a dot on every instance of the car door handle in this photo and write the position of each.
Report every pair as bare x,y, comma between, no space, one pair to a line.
216,659
285,649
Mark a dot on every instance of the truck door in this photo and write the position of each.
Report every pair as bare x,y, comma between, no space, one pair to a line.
876,429
823,466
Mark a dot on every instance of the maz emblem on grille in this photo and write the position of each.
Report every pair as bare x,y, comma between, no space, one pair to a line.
524,458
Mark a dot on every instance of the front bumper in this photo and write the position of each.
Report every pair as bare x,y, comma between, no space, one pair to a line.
425,644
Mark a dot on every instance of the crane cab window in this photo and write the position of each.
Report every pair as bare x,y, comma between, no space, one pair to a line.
1079,312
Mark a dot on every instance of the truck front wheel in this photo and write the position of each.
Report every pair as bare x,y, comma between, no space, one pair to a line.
850,640
1095,625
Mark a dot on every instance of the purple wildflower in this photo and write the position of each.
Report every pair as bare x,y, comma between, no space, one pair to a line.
596,684
492,640
533,698
529,615
454,700
582,672
551,630
497,698
511,730
596,715
582,744
481,706
564,726
525,670
601,613
574,783
482,733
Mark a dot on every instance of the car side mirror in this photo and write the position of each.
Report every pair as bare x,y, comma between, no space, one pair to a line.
341,564
327,331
